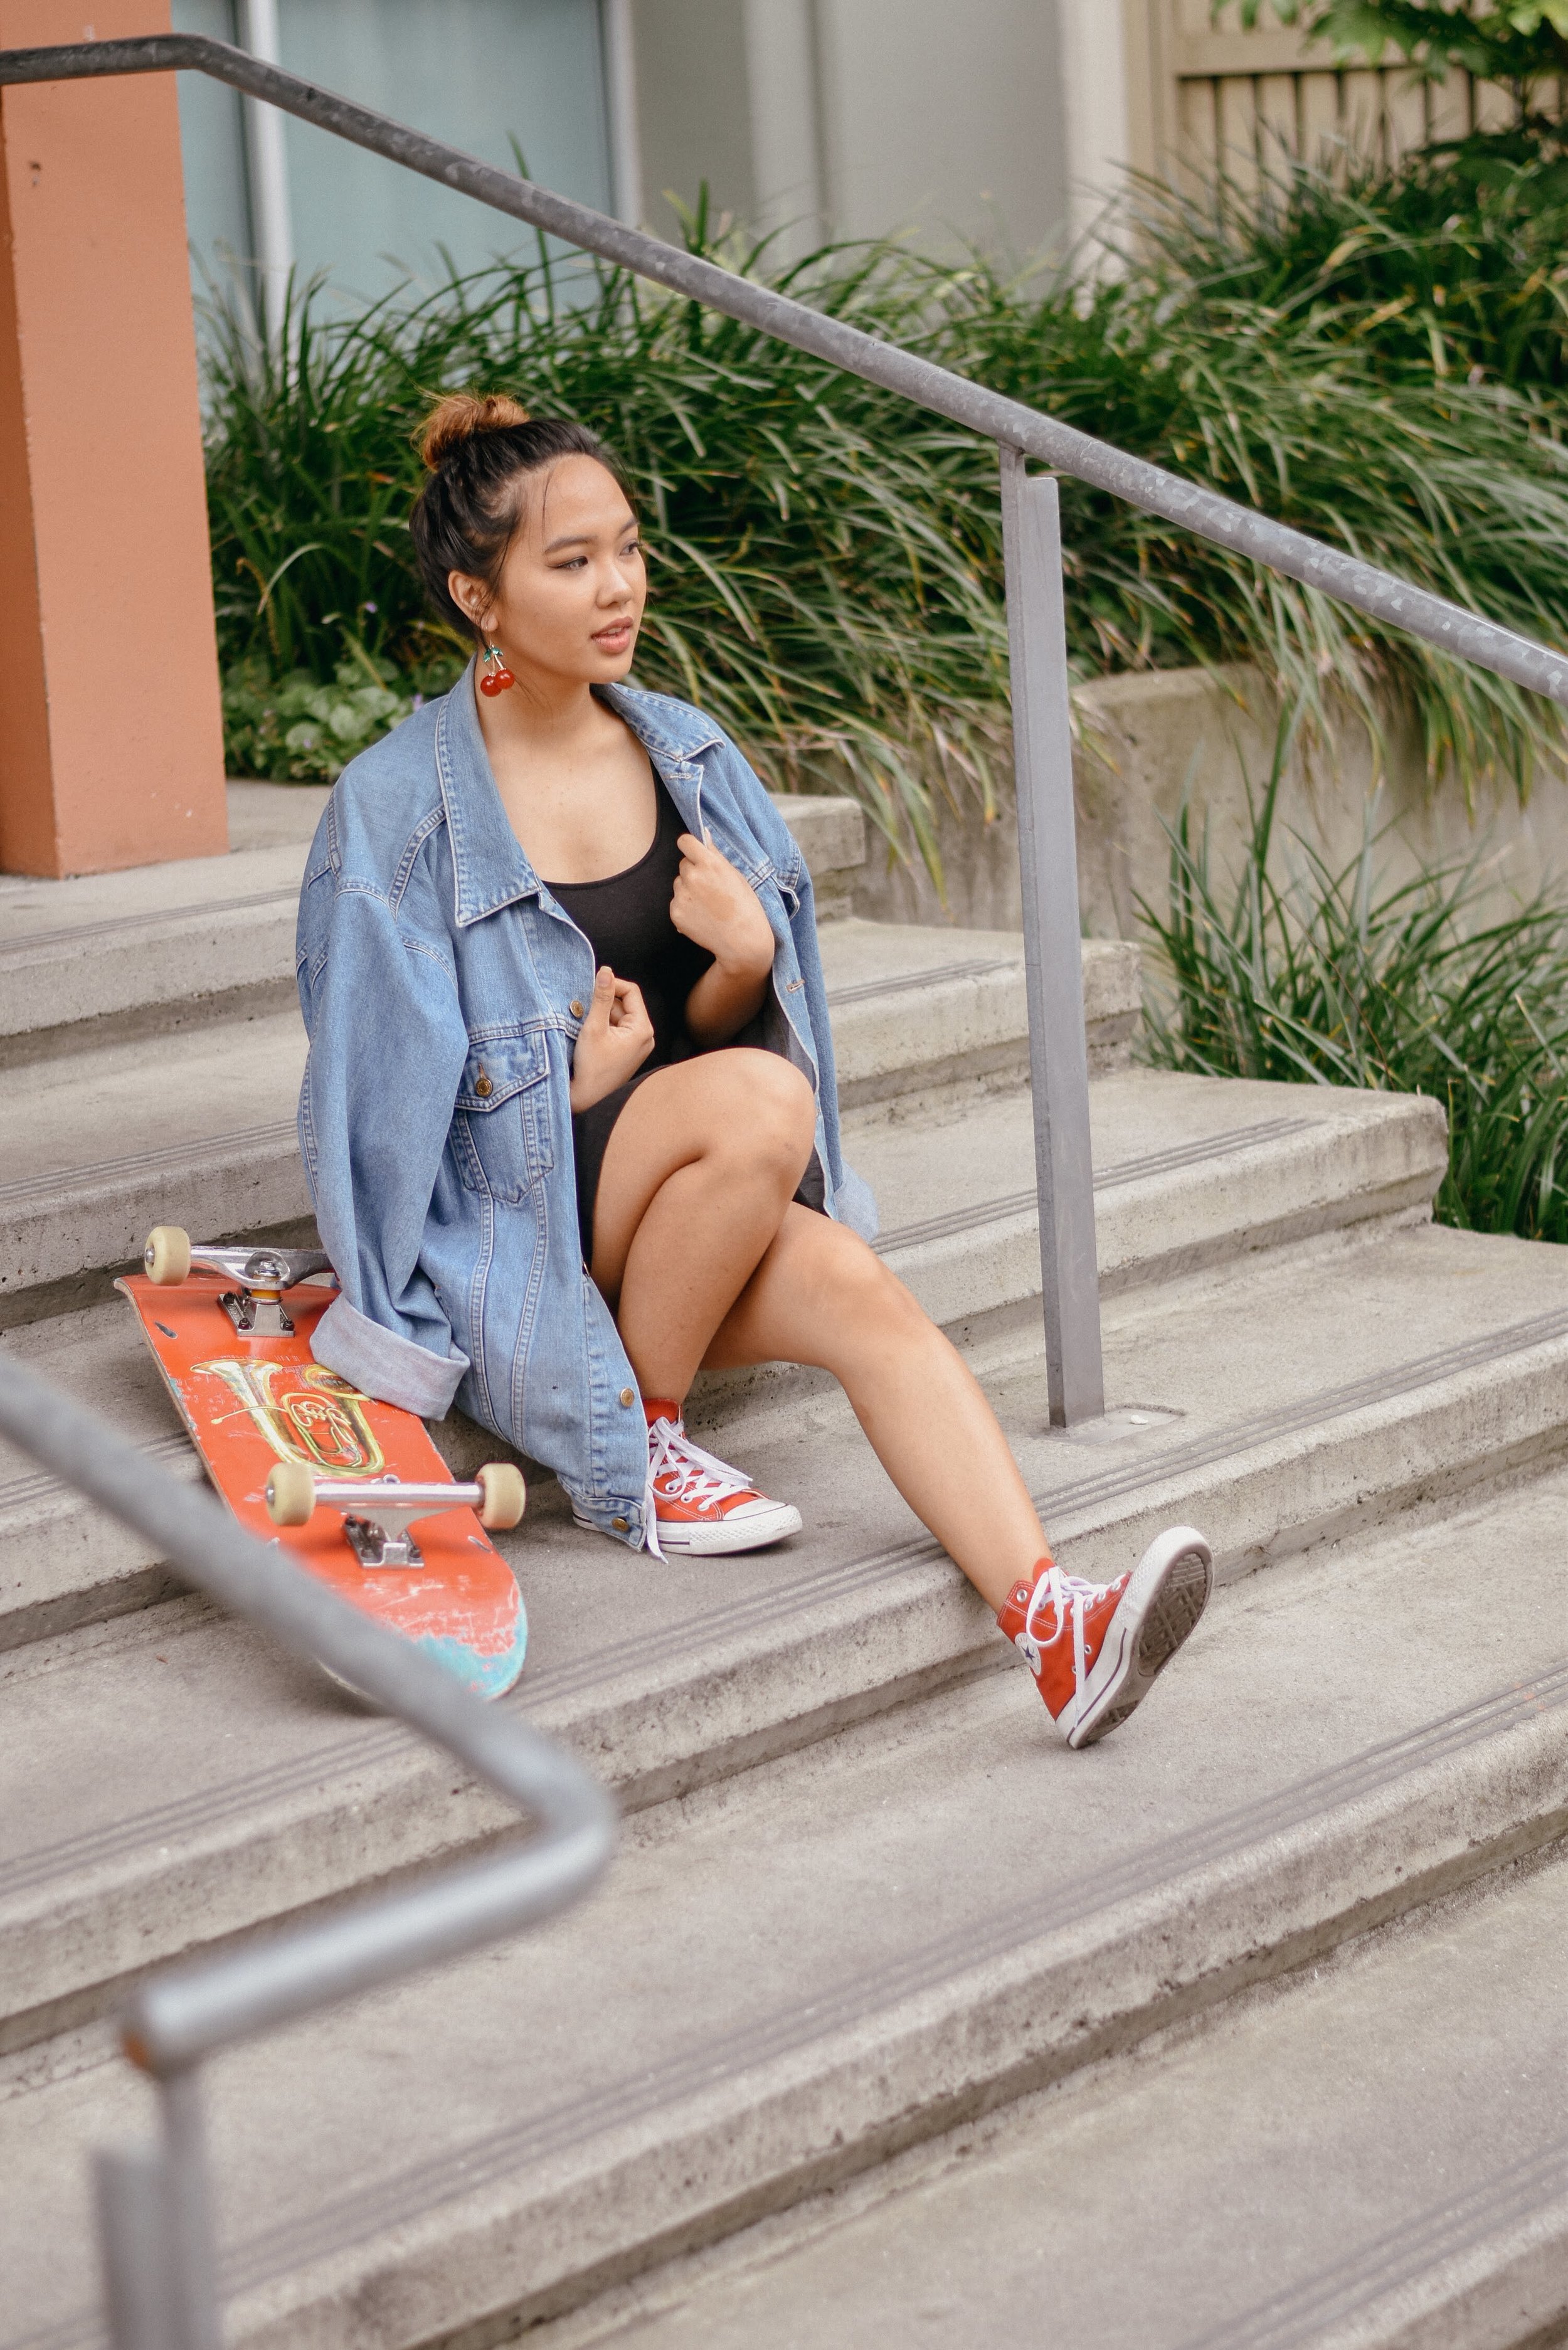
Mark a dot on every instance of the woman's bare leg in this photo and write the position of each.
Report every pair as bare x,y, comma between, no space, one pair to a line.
820,1296
698,1173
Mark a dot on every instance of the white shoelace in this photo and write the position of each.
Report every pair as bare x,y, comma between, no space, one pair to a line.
693,1475
1070,1595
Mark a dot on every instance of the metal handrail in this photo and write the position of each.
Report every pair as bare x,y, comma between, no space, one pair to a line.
154,2222
156,2227
1009,422
1032,553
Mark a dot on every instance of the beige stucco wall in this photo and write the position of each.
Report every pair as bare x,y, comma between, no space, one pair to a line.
857,117
110,729
1146,740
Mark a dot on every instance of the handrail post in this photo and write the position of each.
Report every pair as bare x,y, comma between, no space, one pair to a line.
141,2269
191,2235
155,2231
1052,951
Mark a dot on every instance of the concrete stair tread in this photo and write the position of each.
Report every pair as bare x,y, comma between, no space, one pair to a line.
101,1144
198,1129
185,1821
921,1008
862,1942
33,913
1377,2158
1185,1170
177,940
195,1092
1230,1165
117,955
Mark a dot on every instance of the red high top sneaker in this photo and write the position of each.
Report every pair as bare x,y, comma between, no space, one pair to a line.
1095,1648
700,1505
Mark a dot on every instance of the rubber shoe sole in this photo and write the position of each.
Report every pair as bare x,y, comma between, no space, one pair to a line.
723,1537
1167,1593
751,1528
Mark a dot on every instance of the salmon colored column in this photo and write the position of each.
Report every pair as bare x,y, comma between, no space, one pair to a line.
110,729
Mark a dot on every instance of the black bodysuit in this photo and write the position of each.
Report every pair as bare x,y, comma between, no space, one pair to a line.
626,920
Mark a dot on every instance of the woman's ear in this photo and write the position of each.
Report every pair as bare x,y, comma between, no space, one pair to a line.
472,597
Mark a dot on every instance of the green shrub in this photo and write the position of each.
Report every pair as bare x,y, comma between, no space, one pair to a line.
1518,42
1299,973
822,580
295,731
826,559
1454,269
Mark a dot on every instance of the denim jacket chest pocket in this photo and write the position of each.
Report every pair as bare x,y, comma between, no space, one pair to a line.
502,1132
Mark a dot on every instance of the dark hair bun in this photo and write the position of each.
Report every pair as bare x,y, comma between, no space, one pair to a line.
480,449
463,416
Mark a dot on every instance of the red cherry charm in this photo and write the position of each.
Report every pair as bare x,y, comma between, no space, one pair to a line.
495,677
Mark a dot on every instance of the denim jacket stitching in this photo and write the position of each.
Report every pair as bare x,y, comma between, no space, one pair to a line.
411,855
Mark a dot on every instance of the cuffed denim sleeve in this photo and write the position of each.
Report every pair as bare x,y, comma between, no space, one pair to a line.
388,1045
379,1363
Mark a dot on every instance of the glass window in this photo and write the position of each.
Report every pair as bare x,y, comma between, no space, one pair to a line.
495,77
478,73
213,147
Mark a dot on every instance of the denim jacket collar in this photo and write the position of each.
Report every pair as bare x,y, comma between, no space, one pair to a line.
490,869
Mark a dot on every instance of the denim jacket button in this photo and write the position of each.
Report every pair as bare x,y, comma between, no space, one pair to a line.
483,1086
629,1396
576,1009
621,1525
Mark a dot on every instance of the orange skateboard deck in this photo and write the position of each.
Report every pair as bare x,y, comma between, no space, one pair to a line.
265,1415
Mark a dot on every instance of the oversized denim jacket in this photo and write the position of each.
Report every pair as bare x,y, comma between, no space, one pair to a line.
443,987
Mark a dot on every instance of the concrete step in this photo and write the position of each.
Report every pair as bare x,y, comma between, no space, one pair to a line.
110,956
929,1013
221,1785
1188,1172
199,1130
1378,2161
1192,1170
816,1965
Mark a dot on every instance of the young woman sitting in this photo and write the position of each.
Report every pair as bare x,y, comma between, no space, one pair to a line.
569,1116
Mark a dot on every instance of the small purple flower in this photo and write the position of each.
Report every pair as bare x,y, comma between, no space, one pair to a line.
419,702
369,608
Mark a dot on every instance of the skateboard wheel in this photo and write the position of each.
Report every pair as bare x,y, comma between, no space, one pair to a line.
166,1255
290,1494
504,1495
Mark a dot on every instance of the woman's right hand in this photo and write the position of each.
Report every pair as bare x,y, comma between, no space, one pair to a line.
614,1041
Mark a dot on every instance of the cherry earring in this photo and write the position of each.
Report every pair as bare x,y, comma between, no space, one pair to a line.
495,677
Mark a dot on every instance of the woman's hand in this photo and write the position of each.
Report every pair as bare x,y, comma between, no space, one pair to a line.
716,908
614,1041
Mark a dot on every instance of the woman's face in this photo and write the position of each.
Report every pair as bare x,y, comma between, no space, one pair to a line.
568,603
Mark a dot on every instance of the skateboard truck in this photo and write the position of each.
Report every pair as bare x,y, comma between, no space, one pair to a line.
256,1305
378,1511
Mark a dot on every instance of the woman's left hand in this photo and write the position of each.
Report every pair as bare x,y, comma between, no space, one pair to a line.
716,908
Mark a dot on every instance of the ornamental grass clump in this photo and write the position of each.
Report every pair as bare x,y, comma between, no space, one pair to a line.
1300,974
825,560
823,579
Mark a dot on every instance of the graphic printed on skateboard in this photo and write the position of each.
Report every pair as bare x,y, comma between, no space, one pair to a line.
369,1504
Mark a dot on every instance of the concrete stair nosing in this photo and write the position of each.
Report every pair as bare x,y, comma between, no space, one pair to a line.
71,1220
1194,1203
789,1663
509,2228
539,2215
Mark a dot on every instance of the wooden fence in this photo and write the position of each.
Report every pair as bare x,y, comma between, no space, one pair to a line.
1205,94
